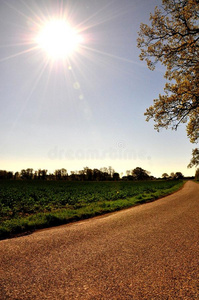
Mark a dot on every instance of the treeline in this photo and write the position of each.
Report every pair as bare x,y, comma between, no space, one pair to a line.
87,174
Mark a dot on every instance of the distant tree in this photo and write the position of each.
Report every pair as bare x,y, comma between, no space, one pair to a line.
111,171
106,173
172,175
104,170
165,175
44,174
10,175
128,172
81,175
129,175
6,174
197,175
23,174
76,175
64,174
140,174
51,176
29,173
173,40
16,175
116,176
72,175
35,175
97,175
58,174
195,158
88,173
41,174
3,174
179,175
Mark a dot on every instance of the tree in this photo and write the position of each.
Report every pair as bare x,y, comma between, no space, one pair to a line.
165,175
88,173
26,174
44,174
128,172
172,175
16,175
97,175
116,176
35,176
197,175
140,174
29,173
173,40
195,158
64,173
58,174
6,174
179,175
111,171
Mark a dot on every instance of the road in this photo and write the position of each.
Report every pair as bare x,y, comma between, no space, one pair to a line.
150,251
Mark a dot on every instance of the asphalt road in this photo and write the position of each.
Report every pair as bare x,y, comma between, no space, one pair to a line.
147,252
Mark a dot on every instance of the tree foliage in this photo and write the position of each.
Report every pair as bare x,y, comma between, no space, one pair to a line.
173,40
140,174
195,158
165,176
179,175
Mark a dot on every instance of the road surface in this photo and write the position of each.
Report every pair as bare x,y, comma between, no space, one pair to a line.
150,251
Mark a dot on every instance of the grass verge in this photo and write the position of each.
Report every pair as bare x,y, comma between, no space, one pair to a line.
27,224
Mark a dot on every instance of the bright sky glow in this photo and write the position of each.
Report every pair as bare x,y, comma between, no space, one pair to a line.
58,39
73,91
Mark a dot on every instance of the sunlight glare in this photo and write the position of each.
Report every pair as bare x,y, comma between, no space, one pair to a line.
58,39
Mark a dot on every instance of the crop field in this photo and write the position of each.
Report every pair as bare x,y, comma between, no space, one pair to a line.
29,205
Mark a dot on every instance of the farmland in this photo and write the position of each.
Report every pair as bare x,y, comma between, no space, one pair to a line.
29,205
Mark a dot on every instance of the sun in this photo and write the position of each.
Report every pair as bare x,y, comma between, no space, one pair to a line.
58,39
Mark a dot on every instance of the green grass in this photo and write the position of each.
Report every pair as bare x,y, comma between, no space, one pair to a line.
29,205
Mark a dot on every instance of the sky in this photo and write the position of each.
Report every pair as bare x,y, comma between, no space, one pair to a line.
85,108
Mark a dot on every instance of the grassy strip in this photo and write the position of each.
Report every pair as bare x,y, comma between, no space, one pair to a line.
25,225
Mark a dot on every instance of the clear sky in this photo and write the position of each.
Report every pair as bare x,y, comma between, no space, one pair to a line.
86,108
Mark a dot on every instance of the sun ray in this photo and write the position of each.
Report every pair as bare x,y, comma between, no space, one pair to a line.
16,44
21,111
19,53
118,58
20,12
41,17
111,55
38,77
93,16
104,18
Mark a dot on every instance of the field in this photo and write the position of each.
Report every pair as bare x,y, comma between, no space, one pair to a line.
29,205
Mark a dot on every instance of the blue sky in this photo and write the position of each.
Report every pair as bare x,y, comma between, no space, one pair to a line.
86,110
